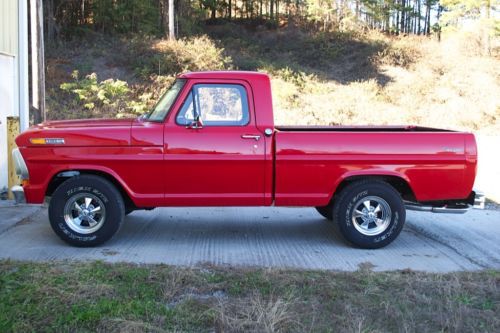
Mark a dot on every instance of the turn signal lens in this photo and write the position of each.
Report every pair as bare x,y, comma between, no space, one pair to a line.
38,141
25,182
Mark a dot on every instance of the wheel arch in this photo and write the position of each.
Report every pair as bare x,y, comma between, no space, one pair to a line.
397,181
62,175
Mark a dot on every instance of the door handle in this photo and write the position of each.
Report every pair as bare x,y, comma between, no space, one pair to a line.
251,136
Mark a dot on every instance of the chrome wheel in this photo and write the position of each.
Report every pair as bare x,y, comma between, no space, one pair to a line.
371,215
84,213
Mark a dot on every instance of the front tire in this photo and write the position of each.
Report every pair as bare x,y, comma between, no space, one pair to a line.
86,210
370,214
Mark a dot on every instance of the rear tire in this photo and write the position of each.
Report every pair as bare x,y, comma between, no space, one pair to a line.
370,214
86,210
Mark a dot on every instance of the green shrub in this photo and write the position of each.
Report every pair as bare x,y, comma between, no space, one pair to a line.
96,94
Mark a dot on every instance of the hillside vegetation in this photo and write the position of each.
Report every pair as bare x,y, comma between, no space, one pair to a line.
317,78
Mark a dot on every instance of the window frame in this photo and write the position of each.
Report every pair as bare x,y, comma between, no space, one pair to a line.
240,85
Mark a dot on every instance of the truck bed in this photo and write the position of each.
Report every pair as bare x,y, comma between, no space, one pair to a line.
310,162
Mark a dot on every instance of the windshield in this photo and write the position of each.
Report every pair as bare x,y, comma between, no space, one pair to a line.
166,101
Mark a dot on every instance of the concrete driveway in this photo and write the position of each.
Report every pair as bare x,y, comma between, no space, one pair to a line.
267,237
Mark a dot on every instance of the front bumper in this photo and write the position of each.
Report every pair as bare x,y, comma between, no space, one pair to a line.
22,172
20,164
18,193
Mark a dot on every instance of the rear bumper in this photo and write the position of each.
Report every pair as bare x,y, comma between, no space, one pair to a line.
479,200
475,200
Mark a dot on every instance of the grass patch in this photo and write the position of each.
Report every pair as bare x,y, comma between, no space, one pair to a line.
97,296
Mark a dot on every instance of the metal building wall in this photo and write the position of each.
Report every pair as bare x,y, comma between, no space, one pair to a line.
9,39
13,73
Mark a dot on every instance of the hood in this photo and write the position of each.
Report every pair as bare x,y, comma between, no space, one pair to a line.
84,123
78,133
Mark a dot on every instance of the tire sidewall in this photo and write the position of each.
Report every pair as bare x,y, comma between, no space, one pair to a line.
346,207
95,186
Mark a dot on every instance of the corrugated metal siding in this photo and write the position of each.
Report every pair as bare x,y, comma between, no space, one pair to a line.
9,26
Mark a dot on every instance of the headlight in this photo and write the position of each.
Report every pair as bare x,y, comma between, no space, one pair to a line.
20,165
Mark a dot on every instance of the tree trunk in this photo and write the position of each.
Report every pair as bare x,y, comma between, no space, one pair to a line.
425,20
271,10
428,18
440,10
37,62
277,14
416,17
82,13
403,16
51,23
171,21
419,16
396,24
387,15
408,20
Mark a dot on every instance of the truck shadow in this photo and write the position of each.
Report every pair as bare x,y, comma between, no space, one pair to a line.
223,226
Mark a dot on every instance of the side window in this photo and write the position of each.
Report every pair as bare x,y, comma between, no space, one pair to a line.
216,105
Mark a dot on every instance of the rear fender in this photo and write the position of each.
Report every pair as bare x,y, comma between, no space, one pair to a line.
376,174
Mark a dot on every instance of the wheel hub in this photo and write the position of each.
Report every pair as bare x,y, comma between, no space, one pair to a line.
371,216
84,213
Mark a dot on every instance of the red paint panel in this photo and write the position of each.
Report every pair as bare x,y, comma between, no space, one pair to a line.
214,166
137,169
310,165
79,133
146,133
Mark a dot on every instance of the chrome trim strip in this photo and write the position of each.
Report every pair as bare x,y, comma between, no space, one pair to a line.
20,165
438,210
251,136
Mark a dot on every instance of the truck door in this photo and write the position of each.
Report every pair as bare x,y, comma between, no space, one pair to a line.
214,153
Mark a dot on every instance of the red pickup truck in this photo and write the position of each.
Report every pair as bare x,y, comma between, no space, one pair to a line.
211,141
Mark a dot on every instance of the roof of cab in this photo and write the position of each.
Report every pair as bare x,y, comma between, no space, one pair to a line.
235,75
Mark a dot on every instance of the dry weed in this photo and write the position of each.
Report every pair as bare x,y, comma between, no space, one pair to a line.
126,326
256,314
443,87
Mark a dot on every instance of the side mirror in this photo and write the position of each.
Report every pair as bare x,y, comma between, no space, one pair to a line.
196,124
